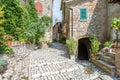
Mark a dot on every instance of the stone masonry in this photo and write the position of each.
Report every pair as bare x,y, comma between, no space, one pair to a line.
117,61
113,11
97,18
48,64
45,7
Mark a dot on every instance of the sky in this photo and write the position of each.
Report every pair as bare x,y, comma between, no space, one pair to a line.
57,14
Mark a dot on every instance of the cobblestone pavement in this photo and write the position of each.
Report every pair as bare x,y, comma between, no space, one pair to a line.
51,64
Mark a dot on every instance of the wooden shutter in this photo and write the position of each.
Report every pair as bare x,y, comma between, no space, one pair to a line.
83,14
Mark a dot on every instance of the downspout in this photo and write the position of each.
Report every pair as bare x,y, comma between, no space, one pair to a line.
71,18
107,18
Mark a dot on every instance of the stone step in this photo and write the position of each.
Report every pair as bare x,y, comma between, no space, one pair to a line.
105,66
112,54
107,59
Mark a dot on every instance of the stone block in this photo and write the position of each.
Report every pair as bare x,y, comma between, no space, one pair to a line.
3,64
117,61
118,72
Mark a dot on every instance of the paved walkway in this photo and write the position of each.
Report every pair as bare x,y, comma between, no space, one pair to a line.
50,64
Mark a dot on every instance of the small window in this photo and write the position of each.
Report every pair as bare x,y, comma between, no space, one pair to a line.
83,14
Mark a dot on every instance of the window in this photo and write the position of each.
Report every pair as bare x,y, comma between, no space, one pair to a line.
83,14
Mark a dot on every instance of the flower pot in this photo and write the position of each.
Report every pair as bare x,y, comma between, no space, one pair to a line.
72,57
9,43
93,56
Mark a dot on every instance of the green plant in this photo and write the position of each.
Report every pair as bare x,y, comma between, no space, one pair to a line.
62,39
108,44
13,18
6,49
18,17
37,29
1,15
116,26
47,42
95,45
72,45
2,31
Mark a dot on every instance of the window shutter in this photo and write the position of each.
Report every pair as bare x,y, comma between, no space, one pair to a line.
83,13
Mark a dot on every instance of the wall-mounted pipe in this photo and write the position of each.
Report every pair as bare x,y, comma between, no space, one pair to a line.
71,17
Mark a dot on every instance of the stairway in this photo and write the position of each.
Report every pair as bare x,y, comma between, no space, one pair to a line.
106,62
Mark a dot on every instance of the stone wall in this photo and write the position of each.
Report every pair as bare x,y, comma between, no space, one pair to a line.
97,18
47,7
113,11
117,60
46,10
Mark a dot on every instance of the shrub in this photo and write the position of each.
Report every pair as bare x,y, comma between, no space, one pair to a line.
62,39
47,42
72,45
13,18
37,29
116,26
95,45
108,44
1,15
6,49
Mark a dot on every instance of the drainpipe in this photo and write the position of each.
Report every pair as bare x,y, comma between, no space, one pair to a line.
71,18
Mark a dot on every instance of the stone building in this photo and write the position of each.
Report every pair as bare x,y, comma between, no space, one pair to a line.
86,17
44,8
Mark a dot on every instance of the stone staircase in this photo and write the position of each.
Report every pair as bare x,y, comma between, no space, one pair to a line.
106,62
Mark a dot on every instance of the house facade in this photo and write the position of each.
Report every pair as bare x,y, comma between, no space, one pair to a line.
90,16
87,17
44,8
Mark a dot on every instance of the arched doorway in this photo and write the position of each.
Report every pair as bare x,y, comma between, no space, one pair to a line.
57,30
83,49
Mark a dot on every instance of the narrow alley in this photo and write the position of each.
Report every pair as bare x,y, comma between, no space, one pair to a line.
49,64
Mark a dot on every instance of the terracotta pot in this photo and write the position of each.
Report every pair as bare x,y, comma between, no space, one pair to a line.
9,43
93,56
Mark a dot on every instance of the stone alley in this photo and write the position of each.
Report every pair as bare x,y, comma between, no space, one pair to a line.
49,64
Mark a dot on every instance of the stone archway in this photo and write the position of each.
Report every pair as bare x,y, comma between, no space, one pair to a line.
83,49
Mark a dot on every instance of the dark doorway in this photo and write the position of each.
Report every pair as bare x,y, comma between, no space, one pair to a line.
83,49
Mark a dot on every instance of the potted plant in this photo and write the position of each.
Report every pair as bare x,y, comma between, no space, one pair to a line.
116,26
95,45
107,45
72,45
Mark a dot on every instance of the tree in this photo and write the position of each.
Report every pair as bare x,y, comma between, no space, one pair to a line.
13,18
2,32
1,15
37,29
